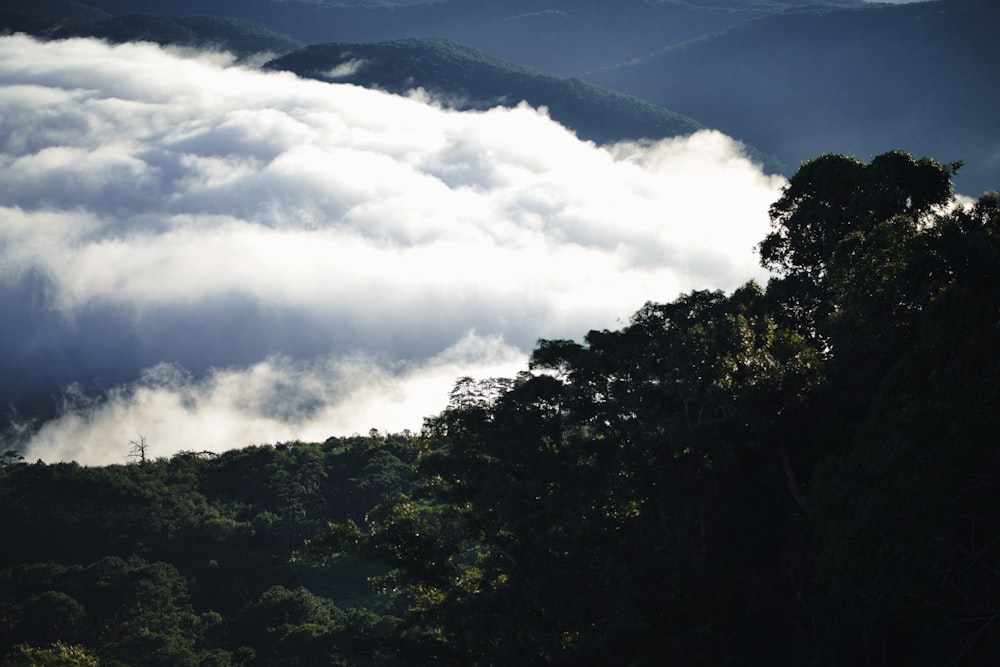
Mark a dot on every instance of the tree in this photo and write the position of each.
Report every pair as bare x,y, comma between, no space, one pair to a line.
57,654
904,517
832,196
138,450
604,492
834,202
52,616
699,482
291,627
11,457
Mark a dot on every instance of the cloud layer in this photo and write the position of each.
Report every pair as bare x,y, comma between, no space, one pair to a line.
232,256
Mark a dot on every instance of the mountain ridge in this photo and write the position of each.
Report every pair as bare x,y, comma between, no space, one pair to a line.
839,80
468,78
793,78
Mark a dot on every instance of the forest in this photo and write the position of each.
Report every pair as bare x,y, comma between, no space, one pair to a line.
804,472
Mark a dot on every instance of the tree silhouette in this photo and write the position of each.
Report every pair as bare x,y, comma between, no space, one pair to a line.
138,449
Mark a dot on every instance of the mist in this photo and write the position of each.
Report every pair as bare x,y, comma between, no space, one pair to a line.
211,256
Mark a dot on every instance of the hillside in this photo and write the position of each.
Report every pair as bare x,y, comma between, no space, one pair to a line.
857,81
470,79
563,37
239,36
187,561
460,76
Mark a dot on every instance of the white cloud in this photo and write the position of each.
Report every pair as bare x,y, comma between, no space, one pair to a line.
345,69
281,398
327,222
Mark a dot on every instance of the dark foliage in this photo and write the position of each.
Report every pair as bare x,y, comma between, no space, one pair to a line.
238,36
733,479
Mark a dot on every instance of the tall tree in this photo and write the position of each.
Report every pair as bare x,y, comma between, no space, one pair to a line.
833,201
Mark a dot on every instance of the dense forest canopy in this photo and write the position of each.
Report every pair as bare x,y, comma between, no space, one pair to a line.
804,472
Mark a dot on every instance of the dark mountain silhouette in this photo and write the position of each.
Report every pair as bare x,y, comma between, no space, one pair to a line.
564,37
470,79
198,30
841,80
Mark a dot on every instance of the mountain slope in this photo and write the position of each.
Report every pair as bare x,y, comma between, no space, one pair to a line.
564,37
471,79
848,80
237,35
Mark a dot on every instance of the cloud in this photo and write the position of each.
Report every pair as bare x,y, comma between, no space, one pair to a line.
167,210
344,69
278,398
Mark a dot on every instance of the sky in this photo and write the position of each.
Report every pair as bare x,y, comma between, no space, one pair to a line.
209,256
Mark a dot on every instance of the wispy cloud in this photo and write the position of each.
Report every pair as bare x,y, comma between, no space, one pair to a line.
344,69
273,400
172,208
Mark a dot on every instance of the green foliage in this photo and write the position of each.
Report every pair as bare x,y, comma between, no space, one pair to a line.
56,655
833,197
840,237
185,561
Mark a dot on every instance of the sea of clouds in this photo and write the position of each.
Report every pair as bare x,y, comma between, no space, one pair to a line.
211,256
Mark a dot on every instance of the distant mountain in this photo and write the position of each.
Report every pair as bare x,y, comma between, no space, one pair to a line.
466,78
64,9
236,35
563,37
462,77
795,78
860,81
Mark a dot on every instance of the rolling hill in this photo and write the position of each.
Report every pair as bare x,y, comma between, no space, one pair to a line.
856,81
197,30
563,37
470,79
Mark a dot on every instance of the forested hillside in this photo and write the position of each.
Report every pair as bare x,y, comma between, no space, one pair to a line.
241,37
466,78
563,37
189,560
856,81
799,473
